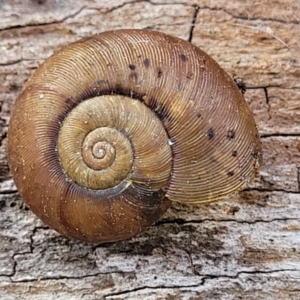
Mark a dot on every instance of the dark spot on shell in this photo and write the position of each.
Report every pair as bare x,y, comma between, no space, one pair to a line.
132,67
230,173
254,155
183,57
159,72
189,75
198,115
230,134
234,153
210,133
146,62
133,76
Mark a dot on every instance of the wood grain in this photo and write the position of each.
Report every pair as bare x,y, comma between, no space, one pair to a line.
247,247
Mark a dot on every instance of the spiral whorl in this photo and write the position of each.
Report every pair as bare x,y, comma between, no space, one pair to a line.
108,139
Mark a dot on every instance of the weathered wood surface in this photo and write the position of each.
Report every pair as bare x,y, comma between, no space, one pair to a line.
245,248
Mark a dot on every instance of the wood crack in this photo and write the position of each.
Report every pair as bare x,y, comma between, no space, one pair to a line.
203,281
183,222
196,7
239,17
8,28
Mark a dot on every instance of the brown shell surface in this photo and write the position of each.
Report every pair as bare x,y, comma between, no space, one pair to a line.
209,128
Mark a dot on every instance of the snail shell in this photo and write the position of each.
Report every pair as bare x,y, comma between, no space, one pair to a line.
111,128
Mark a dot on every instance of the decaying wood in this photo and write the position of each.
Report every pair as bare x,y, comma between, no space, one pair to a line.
247,247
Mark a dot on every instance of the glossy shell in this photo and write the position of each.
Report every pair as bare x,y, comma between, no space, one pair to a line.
111,128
